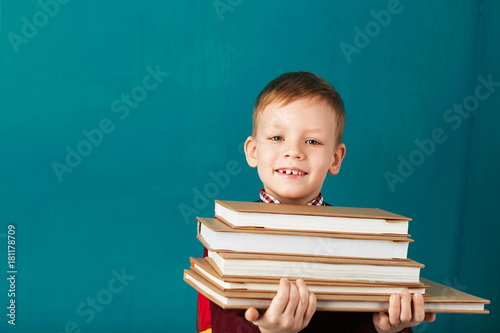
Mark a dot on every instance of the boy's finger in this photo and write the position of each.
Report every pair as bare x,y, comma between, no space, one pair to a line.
405,315
381,320
280,301
430,316
303,301
394,309
418,308
311,309
293,300
252,315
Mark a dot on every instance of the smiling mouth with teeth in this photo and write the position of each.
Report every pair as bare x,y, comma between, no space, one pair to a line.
291,172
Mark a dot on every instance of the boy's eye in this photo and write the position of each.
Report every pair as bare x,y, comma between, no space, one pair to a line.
276,138
312,142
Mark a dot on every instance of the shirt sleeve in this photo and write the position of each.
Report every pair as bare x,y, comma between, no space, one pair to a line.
203,318
203,315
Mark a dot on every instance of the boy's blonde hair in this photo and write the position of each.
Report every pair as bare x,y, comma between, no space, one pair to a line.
292,86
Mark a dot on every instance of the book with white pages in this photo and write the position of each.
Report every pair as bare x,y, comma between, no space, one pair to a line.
318,268
217,235
239,214
203,267
441,298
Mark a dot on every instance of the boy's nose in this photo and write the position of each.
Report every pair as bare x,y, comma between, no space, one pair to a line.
293,152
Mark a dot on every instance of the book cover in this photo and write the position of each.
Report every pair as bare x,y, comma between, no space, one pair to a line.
441,298
252,283
219,236
247,215
320,268
260,207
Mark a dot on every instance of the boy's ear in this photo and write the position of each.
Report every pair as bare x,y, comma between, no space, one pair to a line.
251,151
338,156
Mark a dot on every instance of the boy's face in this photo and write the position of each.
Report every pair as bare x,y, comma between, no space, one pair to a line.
293,149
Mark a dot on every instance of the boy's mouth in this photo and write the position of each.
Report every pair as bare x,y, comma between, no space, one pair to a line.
291,171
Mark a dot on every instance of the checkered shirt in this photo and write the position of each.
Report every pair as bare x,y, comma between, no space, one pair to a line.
264,197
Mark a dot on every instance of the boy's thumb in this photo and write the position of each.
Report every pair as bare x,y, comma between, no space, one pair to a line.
252,314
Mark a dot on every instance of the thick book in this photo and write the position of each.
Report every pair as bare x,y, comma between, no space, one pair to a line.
259,284
441,298
249,215
219,236
317,268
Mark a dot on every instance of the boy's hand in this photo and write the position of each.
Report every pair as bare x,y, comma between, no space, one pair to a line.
290,311
400,313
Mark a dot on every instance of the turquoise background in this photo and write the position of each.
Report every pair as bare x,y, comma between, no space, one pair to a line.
119,209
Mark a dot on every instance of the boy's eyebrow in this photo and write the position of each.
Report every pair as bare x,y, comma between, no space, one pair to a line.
314,130
274,126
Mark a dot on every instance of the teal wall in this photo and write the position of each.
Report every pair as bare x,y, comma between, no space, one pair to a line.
84,69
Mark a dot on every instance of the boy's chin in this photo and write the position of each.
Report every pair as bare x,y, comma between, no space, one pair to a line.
293,197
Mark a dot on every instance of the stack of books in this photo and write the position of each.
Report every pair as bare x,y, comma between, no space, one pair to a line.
353,259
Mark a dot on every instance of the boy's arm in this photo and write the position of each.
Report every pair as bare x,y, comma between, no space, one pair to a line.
290,311
401,315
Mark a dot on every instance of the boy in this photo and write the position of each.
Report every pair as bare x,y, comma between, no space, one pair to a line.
296,140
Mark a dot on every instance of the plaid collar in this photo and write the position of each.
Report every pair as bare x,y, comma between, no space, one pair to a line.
264,197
